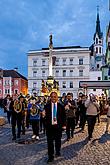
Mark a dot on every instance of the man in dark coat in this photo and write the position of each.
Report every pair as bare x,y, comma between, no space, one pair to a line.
70,108
55,121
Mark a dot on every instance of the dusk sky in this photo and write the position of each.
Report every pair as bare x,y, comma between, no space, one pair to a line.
26,25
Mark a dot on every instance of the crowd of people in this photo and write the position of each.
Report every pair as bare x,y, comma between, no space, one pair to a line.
51,115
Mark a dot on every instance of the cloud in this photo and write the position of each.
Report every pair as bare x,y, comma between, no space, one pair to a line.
27,24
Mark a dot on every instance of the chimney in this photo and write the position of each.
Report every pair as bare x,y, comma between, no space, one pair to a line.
16,69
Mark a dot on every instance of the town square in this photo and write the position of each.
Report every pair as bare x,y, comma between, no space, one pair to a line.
55,82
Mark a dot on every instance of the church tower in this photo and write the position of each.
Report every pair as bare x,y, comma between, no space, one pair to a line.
97,57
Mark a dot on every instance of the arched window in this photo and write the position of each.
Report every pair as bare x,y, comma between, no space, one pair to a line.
96,40
96,49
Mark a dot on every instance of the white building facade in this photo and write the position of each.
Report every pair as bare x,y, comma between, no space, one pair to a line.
70,65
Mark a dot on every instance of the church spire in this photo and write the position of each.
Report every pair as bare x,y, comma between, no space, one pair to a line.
98,29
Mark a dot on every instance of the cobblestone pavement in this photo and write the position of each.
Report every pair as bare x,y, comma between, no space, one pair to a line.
78,151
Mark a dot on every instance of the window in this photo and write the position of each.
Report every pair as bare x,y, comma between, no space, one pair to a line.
43,73
71,73
57,62
100,50
35,63
81,61
100,41
7,82
7,91
16,82
0,82
34,73
71,61
94,90
0,91
57,73
43,62
64,84
64,73
97,66
81,73
96,40
34,84
106,78
71,84
99,78
16,91
64,61
96,49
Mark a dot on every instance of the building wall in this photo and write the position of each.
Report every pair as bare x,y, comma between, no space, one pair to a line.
95,76
24,87
12,86
63,56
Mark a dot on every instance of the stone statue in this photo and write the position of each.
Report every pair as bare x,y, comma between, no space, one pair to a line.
51,43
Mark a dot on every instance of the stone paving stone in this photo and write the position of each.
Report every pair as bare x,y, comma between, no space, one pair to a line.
78,151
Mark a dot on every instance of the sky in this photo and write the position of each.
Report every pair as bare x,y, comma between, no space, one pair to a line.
26,25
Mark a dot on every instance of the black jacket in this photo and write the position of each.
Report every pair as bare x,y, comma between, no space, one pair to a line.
61,116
